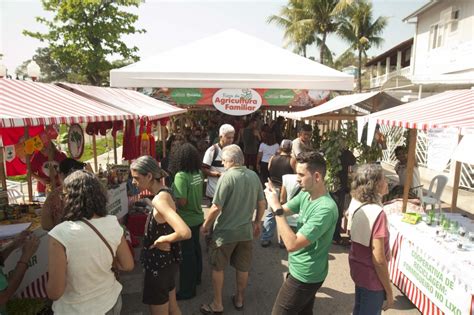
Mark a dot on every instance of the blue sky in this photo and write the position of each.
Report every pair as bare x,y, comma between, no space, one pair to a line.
173,23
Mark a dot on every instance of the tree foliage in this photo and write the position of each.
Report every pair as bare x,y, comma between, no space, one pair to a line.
358,27
296,32
85,34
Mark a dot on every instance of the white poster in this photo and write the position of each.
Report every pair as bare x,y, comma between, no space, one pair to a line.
441,145
34,281
463,152
117,203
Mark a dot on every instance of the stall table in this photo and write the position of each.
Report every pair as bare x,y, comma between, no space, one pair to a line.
35,279
432,271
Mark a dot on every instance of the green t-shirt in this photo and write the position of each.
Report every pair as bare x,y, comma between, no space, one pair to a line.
238,192
3,286
189,186
317,221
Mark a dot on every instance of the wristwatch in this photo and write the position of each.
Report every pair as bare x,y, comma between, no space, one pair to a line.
278,212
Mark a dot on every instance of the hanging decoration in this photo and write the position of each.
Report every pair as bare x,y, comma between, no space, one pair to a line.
30,145
75,141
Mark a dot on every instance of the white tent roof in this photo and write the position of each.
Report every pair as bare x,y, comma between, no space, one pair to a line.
336,103
230,59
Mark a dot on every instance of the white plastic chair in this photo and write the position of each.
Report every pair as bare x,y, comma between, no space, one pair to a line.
434,197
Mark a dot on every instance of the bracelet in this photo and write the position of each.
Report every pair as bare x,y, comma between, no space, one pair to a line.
22,262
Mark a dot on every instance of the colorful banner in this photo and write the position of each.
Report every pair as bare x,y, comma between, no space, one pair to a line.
270,97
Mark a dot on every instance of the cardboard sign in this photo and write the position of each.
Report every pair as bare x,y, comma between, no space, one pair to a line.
237,102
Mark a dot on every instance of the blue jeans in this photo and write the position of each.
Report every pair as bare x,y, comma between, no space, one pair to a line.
368,302
269,223
268,229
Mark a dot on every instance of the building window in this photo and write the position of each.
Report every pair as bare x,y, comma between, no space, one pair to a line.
436,36
454,21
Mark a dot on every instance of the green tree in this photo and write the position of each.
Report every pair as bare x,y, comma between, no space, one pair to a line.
323,20
296,32
359,29
51,69
84,34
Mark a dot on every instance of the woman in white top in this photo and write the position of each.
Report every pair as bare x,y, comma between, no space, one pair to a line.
267,149
80,277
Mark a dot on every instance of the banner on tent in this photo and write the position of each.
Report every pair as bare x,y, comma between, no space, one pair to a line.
270,97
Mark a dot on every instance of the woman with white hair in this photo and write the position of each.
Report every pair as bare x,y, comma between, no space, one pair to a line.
370,251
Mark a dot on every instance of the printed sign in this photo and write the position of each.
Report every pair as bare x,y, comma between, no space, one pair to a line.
75,141
441,145
117,203
451,295
38,266
237,102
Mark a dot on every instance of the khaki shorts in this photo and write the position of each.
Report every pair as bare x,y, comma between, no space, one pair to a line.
238,253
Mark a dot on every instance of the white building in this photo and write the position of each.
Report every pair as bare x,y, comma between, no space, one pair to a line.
438,57
443,46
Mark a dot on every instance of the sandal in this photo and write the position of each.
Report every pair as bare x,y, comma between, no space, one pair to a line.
207,309
237,307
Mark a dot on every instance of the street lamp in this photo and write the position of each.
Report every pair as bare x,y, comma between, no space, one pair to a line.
33,70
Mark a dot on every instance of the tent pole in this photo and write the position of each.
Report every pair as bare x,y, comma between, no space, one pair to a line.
410,165
94,150
28,169
457,177
3,176
163,140
115,149
52,171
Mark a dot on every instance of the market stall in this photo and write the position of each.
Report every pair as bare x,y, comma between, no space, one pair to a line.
149,110
260,77
432,265
32,106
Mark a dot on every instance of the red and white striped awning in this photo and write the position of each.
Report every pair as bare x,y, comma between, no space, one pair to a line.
448,109
144,106
26,103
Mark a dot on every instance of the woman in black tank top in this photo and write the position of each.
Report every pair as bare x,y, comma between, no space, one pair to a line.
281,164
161,252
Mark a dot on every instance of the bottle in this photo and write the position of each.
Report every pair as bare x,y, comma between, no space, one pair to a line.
100,171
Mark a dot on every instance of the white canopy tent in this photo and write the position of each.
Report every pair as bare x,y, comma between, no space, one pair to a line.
230,59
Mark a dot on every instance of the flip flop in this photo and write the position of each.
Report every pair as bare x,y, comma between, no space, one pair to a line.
238,308
207,309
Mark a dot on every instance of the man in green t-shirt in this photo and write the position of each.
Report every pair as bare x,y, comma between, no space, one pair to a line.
238,193
309,247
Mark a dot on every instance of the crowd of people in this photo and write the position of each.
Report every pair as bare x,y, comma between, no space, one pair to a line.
253,173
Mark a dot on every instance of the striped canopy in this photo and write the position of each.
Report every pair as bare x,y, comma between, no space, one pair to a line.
26,103
144,106
448,109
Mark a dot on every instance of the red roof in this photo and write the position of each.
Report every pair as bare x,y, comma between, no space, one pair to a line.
26,103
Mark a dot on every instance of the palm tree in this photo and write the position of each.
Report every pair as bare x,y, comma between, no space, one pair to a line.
359,29
323,21
296,32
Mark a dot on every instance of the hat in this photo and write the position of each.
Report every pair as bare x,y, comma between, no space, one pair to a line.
286,145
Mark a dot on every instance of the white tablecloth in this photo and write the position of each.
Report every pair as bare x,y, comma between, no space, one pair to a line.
431,270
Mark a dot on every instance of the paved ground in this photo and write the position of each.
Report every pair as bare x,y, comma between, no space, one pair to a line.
267,274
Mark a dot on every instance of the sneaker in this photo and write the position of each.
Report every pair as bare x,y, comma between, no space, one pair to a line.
265,243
